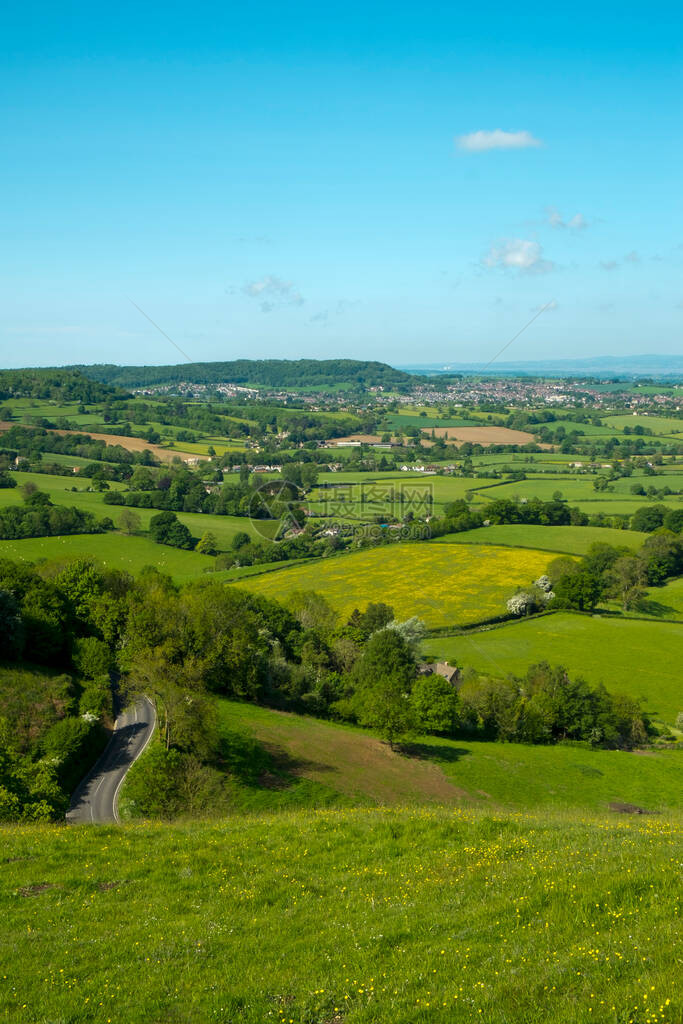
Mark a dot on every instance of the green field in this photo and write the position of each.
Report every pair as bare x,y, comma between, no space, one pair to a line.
640,658
357,768
114,550
59,490
360,916
572,488
574,540
401,421
668,599
589,429
662,425
442,584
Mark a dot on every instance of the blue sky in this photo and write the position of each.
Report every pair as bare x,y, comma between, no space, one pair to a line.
406,182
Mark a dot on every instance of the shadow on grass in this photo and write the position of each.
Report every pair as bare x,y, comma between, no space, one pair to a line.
263,765
655,608
433,752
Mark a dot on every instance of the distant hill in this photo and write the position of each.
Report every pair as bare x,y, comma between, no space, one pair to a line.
65,385
274,373
659,366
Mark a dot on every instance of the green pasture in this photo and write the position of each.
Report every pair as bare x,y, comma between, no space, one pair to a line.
358,915
574,540
662,425
59,489
351,477
401,421
589,429
129,554
665,602
359,768
573,488
202,447
641,658
115,550
619,505
522,460
71,461
444,584
577,489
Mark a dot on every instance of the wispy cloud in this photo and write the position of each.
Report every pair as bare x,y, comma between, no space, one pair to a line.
519,254
273,292
483,141
576,223
323,316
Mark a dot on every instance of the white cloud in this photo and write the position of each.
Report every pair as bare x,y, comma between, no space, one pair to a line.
272,292
482,141
576,223
518,254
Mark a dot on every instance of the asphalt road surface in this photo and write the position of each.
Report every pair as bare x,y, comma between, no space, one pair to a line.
95,800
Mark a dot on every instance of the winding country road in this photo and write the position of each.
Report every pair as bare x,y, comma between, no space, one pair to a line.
96,798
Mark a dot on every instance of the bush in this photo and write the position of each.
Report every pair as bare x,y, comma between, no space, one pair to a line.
96,698
435,702
167,783
166,528
75,744
92,657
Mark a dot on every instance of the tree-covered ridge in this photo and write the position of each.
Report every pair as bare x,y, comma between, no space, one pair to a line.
270,372
64,385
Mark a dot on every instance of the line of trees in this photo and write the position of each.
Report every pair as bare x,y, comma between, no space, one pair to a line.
39,517
605,572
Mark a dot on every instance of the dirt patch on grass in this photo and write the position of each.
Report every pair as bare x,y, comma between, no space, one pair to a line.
36,889
483,435
363,438
621,808
355,764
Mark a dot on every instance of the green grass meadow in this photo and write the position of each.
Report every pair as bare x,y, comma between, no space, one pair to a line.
573,540
641,658
349,765
344,916
114,550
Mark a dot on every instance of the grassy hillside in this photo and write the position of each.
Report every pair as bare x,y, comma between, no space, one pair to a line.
442,584
115,550
58,489
574,540
640,658
360,916
352,766
666,600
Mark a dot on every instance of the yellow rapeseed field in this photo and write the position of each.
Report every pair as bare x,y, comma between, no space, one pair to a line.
444,584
